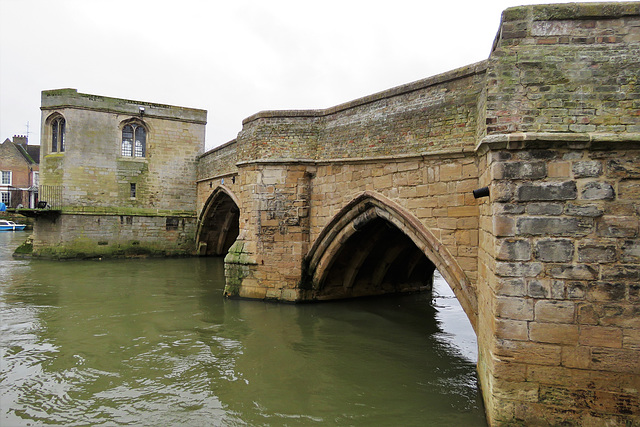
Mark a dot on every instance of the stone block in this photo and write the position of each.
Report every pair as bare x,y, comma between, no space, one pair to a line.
514,308
591,211
545,288
599,336
552,226
554,311
630,251
562,396
573,271
503,226
598,253
617,226
510,371
518,269
511,329
459,211
529,352
615,360
554,250
623,168
548,191
502,191
516,391
576,357
629,189
545,208
631,339
558,169
621,272
450,172
554,333
597,190
587,169
508,208
514,250
510,287
606,291
519,170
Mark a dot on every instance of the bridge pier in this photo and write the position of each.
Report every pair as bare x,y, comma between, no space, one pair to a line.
558,278
266,260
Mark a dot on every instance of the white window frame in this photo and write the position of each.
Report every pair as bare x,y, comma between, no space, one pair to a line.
5,197
9,174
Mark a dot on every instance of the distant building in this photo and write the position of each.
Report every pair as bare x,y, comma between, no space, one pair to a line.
19,168
118,176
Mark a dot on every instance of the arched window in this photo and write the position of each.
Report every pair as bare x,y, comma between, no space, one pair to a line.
134,140
57,134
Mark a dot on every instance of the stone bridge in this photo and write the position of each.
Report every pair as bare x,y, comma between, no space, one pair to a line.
371,196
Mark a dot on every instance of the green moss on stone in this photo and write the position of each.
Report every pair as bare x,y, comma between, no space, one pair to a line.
25,249
86,249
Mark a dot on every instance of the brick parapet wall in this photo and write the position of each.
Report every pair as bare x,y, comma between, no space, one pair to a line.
218,162
566,68
431,115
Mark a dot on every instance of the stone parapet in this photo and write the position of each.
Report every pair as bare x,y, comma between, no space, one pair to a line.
71,98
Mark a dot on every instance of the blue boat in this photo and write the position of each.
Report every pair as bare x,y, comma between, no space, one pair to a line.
10,226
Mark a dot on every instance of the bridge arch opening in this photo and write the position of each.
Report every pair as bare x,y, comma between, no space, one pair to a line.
373,246
219,223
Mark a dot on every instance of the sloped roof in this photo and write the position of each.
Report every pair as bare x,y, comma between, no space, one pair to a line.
31,153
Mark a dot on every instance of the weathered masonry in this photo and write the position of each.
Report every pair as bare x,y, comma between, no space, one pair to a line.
370,196
117,175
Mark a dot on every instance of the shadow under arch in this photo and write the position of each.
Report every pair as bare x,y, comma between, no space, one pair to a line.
219,223
377,245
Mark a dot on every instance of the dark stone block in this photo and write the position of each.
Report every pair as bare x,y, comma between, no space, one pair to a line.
547,191
554,250
623,168
574,272
598,191
539,226
515,250
621,272
631,251
524,170
596,253
591,211
587,169
545,209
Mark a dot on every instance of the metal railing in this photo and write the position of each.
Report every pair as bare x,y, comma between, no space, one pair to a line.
49,196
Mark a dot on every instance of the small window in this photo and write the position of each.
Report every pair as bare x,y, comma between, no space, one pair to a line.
134,141
6,177
5,197
57,135
132,192
172,223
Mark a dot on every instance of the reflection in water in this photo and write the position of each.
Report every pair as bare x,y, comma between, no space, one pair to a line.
153,342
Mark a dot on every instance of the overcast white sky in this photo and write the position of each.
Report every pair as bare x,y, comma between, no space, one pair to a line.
232,58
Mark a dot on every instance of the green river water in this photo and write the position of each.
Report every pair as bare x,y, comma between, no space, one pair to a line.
152,342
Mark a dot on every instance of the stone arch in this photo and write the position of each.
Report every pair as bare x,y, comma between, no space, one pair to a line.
376,238
218,225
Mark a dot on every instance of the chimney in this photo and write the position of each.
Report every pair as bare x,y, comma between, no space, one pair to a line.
20,139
